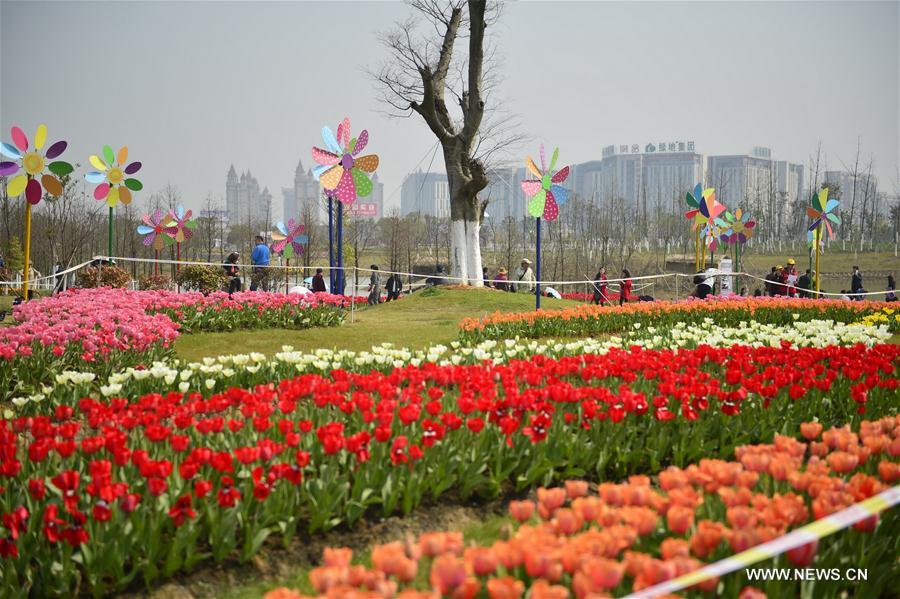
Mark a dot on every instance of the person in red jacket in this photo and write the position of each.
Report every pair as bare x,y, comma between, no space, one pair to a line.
789,279
625,286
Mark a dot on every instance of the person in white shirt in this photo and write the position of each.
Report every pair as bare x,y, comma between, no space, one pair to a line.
525,276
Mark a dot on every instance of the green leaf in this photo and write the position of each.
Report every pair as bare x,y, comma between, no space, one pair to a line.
60,168
133,184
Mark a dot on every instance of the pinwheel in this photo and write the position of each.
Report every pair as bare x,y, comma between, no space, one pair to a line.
545,196
344,176
340,170
737,231
156,231
545,193
112,183
181,228
704,213
289,240
822,211
33,183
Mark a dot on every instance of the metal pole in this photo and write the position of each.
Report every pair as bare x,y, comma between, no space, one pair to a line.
27,249
110,235
816,250
331,281
340,248
537,283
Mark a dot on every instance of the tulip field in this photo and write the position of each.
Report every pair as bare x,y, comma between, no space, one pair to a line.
684,431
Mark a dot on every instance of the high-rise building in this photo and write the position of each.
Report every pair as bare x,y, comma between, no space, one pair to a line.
425,193
307,197
753,180
244,201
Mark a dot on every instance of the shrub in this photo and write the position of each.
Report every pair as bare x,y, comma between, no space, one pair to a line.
153,282
103,276
204,279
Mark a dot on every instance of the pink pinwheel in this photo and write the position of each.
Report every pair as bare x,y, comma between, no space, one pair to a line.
155,229
339,170
182,226
289,239
545,193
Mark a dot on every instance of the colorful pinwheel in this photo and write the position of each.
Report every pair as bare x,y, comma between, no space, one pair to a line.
544,193
181,226
704,206
339,168
738,227
155,229
821,210
32,182
113,186
289,239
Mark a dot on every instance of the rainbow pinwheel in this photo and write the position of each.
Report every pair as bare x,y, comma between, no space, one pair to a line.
113,185
289,239
155,229
32,182
181,226
704,207
545,193
339,170
738,227
821,210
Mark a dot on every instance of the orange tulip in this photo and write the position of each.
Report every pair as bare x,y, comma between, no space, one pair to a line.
680,519
521,511
542,589
324,578
392,561
576,488
338,556
587,507
740,517
506,587
604,573
448,572
888,471
482,560
811,430
549,500
567,521
751,593
842,461
672,478
671,548
509,553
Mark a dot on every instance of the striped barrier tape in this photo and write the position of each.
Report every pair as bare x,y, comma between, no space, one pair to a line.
807,534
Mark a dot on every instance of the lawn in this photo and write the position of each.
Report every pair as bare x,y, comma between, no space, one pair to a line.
416,321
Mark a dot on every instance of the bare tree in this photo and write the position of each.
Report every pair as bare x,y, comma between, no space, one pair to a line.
419,75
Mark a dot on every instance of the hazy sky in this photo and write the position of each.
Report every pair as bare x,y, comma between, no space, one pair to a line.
194,87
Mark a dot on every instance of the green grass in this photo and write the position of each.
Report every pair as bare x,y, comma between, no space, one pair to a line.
416,321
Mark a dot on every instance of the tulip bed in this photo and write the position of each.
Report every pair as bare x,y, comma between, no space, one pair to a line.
104,330
98,494
600,320
613,539
247,370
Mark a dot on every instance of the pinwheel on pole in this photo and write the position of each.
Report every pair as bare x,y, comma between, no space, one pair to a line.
113,183
156,230
33,182
289,241
181,228
545,195
822,211
345,174
737,231
704,208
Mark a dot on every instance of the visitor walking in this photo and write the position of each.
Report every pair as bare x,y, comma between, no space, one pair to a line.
374,286
484,277
856,284
318,282
625,287
599,284
704,281
890,296
260,260
58,280
789,278
233,272
525,277
770,281
501,280
393,287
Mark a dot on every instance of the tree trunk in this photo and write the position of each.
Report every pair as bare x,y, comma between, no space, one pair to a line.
465,180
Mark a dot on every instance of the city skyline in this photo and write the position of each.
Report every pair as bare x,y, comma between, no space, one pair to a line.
189,101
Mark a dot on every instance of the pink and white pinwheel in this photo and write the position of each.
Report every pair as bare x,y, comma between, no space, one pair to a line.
339,169
289,239
181,226
155,229
545,193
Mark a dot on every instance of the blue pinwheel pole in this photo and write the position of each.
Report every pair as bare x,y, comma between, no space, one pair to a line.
340,247
537,274
331,281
